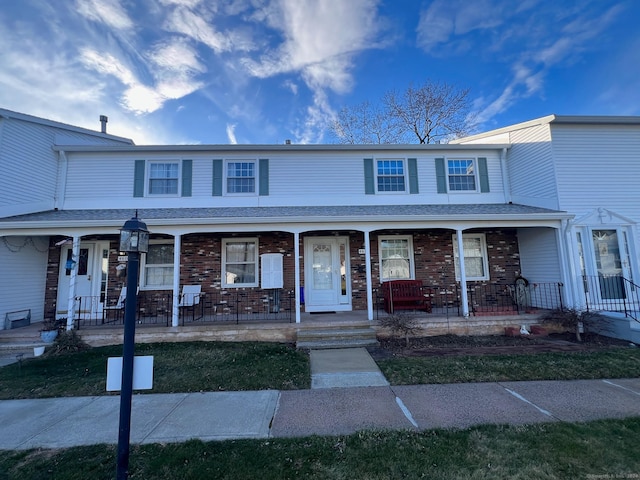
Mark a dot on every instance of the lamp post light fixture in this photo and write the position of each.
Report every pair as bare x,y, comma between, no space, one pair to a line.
134,240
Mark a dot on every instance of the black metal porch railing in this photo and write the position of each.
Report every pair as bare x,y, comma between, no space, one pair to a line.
490,299
612,293
156,308
224,306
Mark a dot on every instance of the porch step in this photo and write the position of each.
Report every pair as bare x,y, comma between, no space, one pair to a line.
314,339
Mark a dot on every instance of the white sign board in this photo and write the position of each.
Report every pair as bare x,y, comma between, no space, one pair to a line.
142,373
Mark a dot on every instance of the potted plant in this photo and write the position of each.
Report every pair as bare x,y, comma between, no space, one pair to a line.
49,330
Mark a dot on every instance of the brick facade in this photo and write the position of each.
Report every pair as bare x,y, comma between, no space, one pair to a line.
201,263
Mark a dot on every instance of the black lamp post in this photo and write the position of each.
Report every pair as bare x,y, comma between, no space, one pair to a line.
134,240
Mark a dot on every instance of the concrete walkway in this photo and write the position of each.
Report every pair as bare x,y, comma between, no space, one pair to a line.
333,406
67,422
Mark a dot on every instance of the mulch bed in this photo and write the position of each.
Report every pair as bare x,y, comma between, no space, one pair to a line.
452,345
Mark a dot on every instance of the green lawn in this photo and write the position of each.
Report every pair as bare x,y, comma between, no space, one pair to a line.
218,366
615,362
178,367
600,449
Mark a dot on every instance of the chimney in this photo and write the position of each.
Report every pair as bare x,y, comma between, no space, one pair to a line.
287,142
103,122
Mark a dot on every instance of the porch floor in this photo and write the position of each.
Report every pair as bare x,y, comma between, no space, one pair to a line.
276,331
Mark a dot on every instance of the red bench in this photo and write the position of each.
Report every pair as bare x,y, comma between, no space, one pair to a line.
405,295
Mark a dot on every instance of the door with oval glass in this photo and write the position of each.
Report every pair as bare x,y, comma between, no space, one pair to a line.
327,279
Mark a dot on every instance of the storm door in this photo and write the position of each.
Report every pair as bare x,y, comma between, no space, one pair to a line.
327,280
611,260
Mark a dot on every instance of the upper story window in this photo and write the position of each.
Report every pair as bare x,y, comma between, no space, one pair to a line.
461,175
163,178
157,269
476,262
240,262
396,257
390,175
241,177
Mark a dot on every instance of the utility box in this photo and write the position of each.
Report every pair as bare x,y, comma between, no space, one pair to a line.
271,275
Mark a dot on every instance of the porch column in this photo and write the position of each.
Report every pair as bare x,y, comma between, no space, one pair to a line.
296,260
463,275
367,262
175,311
71,305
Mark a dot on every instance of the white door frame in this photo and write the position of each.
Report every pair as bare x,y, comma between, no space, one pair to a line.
339,297
89,283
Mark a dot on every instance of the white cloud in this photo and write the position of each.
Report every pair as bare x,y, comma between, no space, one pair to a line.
176,54
109,12
231,133
197,27
319,40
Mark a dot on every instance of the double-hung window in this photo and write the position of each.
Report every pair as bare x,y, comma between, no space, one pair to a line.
396,257
240,262
241,177
163,178
476,262
390,175
462,175
157,272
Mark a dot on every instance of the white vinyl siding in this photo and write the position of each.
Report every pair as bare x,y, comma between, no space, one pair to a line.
98,180
539,257
531,167
604,158
22,282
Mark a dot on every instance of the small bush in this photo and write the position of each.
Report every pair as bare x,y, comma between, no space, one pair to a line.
572,320
68,341
401,324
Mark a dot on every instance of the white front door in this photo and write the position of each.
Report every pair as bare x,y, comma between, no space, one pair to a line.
327,279
91,279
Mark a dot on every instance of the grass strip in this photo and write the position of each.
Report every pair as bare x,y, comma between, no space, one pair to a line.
599,449
178,367
609,363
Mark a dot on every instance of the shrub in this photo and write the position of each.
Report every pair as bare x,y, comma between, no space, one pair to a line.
401,324
68,341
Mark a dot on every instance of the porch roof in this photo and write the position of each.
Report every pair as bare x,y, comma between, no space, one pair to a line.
282,214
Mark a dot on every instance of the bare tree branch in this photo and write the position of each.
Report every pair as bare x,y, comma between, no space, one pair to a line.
433,112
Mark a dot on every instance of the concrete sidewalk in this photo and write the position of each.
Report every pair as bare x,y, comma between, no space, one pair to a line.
66,422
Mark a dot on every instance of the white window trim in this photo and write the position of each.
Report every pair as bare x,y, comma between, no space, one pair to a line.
143,268
223,274
225,186
409,238
147,179
405,175
485,255
475,175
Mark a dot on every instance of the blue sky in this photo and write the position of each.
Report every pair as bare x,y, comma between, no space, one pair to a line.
263,71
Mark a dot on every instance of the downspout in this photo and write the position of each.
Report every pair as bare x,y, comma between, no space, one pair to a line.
61,184
71,305
463,275
506,185
175,311
296,256
367,261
